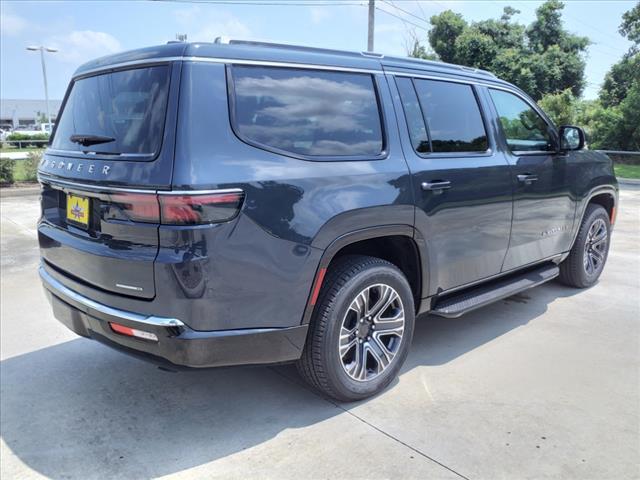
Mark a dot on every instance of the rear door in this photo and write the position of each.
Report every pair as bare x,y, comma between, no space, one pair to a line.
462,188
111,150
543,207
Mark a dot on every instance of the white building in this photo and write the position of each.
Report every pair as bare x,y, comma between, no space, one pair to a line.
16,113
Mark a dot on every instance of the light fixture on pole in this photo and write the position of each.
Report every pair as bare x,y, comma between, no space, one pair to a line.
42,49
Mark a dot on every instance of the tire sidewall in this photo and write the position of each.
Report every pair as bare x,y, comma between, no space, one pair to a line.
345,385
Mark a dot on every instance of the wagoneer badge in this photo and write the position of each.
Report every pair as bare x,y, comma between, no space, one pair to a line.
72,166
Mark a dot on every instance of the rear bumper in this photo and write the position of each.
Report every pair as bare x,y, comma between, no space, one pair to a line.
177,345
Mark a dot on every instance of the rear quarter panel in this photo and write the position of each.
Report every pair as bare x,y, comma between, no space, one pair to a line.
258,270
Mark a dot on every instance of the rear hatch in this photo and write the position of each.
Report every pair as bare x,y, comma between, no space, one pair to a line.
111,150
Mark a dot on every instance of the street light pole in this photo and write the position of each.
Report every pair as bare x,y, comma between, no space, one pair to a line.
44,76
371,25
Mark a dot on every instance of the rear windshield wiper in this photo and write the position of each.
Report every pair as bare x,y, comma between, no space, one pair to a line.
87,140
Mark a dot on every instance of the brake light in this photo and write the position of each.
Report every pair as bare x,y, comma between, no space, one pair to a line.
185,209
176,209
137,207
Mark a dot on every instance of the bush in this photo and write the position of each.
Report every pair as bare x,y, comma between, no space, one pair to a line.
30,167
23,137
6,170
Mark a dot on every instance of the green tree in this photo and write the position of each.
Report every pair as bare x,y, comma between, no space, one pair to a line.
630,26
541,58
620,79
562,107
445,29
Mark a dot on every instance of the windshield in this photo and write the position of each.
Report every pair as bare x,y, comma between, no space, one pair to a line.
127,106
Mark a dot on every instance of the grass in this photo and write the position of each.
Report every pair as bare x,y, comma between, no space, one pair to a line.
20,174
627,171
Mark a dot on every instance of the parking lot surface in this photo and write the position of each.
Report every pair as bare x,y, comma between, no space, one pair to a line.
545,384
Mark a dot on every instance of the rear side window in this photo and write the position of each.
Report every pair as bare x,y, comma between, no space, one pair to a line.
125,108
307,112
453,116
524,128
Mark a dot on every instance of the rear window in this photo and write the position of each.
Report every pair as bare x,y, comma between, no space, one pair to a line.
307,112
453,116
125,109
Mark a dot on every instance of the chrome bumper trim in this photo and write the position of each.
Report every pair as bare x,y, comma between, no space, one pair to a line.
63,292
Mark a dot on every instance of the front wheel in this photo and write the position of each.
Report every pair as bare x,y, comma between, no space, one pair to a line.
361,329
585,262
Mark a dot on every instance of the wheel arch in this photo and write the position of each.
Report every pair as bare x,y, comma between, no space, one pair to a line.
401,245
606,196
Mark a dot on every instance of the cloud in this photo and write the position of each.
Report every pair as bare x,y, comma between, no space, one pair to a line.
12,24
82,45
318,15
205,26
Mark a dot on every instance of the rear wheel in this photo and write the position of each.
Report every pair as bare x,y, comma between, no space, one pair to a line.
361,329
585,262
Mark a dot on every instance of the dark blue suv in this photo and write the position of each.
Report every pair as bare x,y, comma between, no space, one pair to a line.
223,204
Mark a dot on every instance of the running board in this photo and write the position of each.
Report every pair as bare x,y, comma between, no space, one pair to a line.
462,303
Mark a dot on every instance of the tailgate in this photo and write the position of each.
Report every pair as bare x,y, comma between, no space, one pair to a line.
111,251
111,150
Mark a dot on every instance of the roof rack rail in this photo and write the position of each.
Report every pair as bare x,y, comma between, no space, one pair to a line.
437,63
290,46
301,48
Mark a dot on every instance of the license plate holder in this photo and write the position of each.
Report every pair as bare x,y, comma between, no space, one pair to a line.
78,210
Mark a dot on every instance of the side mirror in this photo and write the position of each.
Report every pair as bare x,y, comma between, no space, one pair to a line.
571,138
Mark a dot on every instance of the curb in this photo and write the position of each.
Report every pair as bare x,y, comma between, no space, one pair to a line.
19,191
629,181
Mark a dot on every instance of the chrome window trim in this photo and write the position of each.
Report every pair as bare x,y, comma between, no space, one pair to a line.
237,61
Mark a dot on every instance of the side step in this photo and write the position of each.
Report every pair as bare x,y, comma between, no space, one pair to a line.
469,300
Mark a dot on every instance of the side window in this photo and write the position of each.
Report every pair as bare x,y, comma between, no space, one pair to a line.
524,128
453,116
413,114
307,112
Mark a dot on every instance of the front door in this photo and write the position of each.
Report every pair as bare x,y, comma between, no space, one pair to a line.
462,188
543,208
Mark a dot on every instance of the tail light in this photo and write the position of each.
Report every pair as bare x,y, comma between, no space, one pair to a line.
176,209
137,207
198,209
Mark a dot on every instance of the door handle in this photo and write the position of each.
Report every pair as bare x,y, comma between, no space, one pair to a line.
436,187
527,178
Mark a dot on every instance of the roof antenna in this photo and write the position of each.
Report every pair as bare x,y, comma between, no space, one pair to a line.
222,40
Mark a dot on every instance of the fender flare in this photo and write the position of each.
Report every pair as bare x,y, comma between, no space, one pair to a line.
595,191
365,234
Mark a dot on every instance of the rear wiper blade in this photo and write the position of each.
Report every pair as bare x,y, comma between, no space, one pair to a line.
87,140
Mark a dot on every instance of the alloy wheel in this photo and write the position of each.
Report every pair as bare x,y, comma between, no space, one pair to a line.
371,332
595,248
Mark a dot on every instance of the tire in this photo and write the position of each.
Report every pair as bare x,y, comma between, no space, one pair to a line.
583,266
332,360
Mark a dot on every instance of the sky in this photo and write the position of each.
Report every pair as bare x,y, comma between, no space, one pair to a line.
83,30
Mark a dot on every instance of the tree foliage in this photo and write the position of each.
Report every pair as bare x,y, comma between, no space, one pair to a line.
630,26
541,58
547,61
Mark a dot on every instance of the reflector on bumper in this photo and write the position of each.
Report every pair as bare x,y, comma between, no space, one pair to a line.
132,332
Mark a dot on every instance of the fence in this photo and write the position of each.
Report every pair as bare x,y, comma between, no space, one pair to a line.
628,158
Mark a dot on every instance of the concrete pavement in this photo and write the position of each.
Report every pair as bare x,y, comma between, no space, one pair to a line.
545,384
